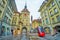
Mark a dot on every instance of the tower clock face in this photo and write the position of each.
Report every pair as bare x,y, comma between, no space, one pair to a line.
25,14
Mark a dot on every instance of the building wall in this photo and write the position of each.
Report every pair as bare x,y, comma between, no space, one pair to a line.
52,8
2,7
25,20
7,20
20,20
6,16
15,19
35,24
45,17
15,22
54,14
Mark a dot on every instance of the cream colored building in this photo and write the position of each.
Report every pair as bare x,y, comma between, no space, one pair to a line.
50,14
35,24
15,23
21,20
25,18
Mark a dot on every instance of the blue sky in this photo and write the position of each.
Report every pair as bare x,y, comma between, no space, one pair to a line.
32,6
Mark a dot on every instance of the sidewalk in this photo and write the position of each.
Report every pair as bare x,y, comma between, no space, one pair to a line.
11,37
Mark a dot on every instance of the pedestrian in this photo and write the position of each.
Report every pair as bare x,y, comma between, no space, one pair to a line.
12,32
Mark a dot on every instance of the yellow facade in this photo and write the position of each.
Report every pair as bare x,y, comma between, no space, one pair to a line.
15,19
15,22
21,20
53,13
25,19
2,8
35,24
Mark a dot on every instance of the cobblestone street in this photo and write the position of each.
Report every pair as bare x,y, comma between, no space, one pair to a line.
29,19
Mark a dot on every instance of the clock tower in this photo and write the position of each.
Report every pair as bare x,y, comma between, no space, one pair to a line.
25,19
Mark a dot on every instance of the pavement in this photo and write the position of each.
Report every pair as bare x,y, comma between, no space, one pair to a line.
24,36
47,37
17,37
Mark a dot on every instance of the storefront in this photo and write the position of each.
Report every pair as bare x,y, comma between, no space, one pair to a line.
47,30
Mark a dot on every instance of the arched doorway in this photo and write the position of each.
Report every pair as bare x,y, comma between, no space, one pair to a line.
18,30
57,28
47,30
24,34
24,29
3,31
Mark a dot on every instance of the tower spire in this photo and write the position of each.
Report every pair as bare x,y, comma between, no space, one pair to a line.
25,5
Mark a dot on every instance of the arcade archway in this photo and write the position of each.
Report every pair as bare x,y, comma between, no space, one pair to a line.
47,30
57,28
24,29
3,30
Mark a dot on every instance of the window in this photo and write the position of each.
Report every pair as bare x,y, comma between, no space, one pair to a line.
53,21
3,1
43,22
5,19
59,1
0,2
53,3
51,13
13,23
49,7
7,28
9,21
45,13
58,18
46,21
55,10
0,11
14,18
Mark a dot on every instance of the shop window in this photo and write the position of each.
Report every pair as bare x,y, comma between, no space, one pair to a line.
3,29
58,18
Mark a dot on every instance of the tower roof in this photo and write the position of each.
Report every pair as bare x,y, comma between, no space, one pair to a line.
25,8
